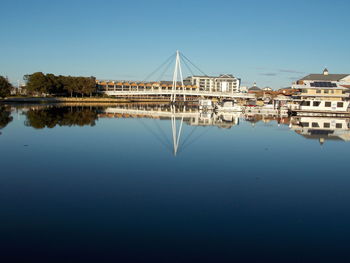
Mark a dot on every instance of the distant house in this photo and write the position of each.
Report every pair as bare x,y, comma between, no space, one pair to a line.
244,89
267,89
287,91
254,89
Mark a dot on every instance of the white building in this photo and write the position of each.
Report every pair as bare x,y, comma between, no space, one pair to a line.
244,89
325,77
267,89
222,83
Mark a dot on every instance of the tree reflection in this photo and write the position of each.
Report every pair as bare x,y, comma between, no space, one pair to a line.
5,116
61,116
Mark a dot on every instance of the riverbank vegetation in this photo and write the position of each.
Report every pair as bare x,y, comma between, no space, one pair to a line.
5,87
49,84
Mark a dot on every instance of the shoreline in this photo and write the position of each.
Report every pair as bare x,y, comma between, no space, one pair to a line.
58,100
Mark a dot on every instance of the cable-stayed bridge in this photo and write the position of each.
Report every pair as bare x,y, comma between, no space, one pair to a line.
176,90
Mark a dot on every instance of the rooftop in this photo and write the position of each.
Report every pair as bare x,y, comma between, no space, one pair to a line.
329,77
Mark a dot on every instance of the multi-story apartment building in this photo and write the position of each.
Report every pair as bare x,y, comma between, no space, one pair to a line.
222,83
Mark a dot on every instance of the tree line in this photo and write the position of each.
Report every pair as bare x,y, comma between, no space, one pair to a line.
39,83
5,87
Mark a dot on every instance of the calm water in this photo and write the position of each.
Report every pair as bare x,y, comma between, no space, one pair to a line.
104,184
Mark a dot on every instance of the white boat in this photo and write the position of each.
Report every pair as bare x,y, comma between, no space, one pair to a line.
228,106
205,105
327,98
316,106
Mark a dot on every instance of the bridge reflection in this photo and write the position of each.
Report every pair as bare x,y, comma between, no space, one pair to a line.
172,132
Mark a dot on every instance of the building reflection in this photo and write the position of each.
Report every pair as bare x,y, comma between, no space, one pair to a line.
176,117
322,128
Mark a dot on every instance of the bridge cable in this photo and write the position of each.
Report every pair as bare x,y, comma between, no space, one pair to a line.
183,56
163,133
158,68
165,70
189,136
188,67
195,139
156,136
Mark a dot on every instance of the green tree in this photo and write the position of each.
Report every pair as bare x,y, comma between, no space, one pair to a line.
5,87
37,83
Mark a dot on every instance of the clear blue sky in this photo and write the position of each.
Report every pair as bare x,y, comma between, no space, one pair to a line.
271,42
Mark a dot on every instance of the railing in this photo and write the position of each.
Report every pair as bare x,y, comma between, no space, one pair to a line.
130,92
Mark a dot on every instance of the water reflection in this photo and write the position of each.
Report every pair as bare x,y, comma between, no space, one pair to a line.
5,116
50,117
320,128
237,179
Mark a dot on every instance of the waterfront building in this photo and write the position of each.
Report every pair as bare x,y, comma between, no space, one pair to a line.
324,86
222,83
323,92
125,85
325,76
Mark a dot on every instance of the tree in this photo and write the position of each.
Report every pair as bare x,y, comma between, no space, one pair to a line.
68,84
5,87
37,83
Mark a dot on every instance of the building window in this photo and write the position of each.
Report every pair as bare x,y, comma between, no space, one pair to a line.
316,103
340,104
318,91
326,91
326,125
339,125
315,125
305,103
304,124
328,104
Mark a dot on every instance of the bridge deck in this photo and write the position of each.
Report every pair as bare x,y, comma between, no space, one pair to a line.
196,93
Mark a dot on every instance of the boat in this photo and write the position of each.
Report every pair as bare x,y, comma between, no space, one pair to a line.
228,106
316,107
206,105
321,99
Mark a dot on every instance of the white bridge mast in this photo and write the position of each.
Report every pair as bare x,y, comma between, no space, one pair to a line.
177,74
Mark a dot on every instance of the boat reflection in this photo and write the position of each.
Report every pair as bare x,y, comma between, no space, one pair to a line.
176,117
322,128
